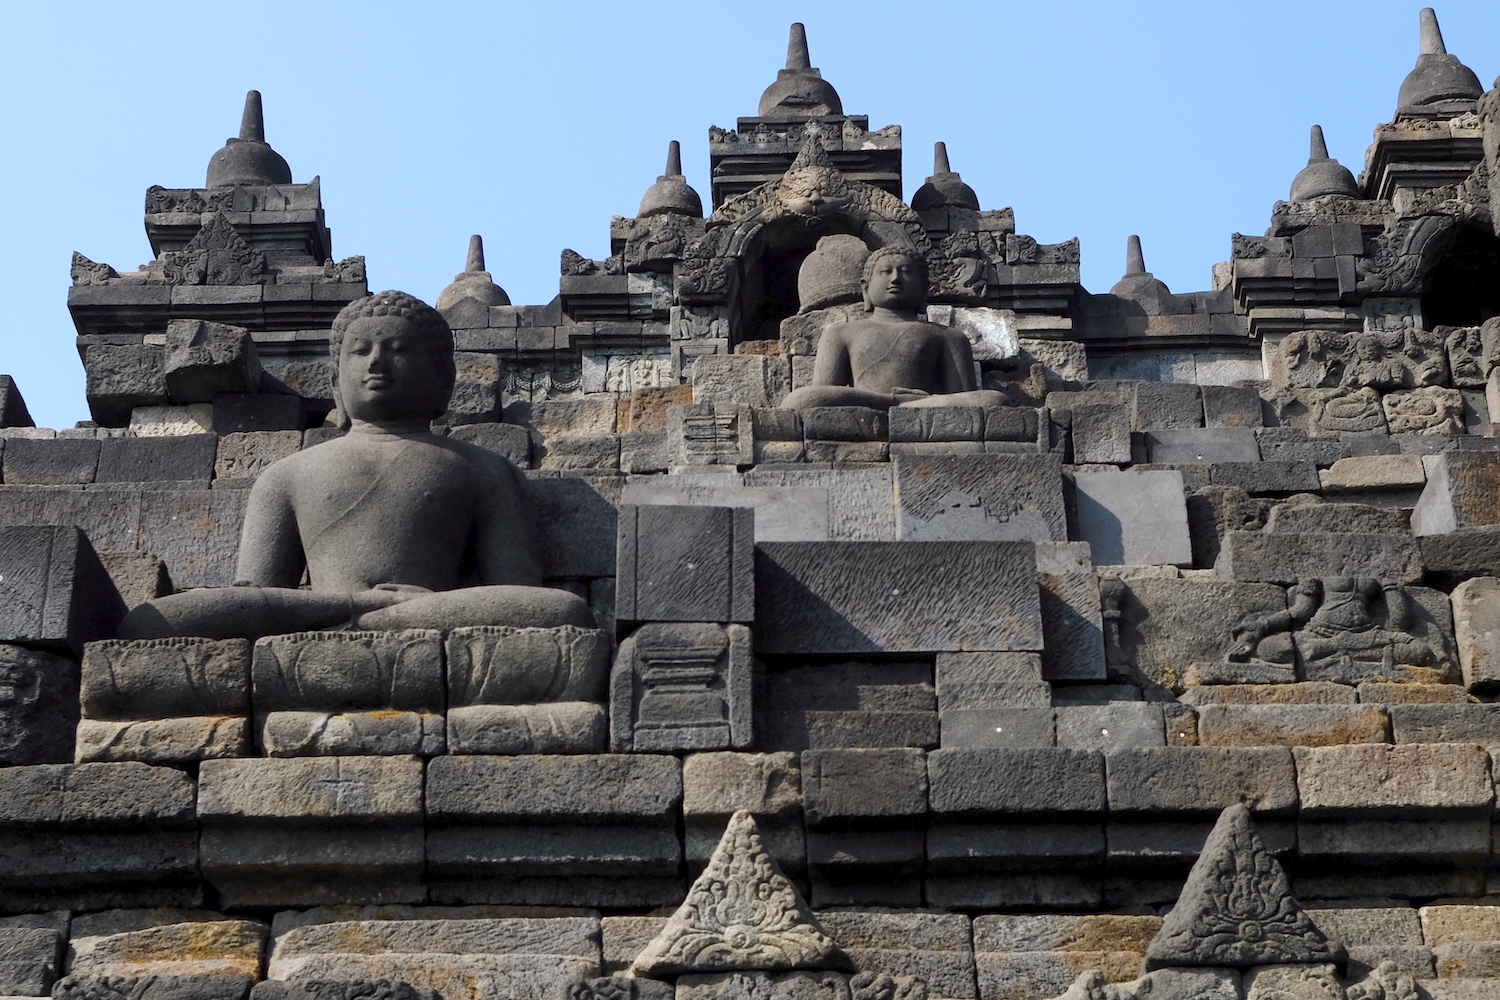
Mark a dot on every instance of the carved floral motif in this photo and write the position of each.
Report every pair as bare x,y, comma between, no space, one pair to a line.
217,255
87,272
1236,909
740,915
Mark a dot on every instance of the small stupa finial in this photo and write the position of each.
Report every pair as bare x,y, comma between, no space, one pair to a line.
1317,149
940,158
1135,261
796,49
476,253
253,122
1432,35
674,159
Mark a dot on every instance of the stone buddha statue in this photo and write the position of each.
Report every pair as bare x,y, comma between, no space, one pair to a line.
393,526
890,357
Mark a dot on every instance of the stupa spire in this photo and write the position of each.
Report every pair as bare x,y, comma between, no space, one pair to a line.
1135,260
940,158
674,159
1431,34
476,254
798,60
1318,149
253,121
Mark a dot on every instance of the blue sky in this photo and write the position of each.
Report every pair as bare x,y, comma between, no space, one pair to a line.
533,124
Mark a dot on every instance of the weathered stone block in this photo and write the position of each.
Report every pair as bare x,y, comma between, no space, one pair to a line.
1231,406
122,795
979,497
1167,626
992,728
577,518
331,734
509,440
1466,723
1099,430
1476,626
863,787
844,423
1109,727
683,686
506,851
1288,444
312,790
190,948
1133,518
246,456
720,784
41,710
1376,780
1374,472
120,378
933,947
476,389
473,957
29,959
1187,446
1063,933
1201,781
203,360
710,434
1291,725
152,987
148,459
554,727
1261,478
1254,556
1461,492
55,462
183,740
504,665
733,378
338,671
685,564
990,680
1072,622
1166,405
937,423
1304,693
260,864
820,597
1016,781
258,412
1398,693
164,678
641,789
54,592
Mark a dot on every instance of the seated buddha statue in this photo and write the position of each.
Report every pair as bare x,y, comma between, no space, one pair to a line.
890,357
392,526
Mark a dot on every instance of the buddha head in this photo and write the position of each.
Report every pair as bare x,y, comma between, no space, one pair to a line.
392,360
895,278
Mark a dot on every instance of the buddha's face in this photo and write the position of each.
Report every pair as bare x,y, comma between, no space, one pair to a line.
896,283
386,371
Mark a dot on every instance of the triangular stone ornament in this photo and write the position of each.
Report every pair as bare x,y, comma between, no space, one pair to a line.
812,154
741,915
1237,908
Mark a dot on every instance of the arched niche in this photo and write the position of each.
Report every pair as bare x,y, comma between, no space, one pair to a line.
1460,276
